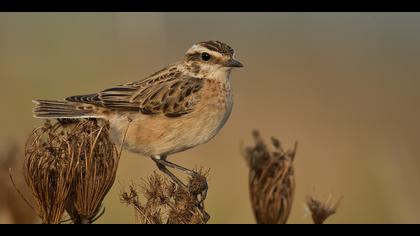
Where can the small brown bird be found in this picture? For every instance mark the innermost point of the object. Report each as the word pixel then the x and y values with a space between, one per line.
pixel 176 108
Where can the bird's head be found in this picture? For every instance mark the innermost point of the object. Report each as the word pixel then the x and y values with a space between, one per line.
pixel 210 59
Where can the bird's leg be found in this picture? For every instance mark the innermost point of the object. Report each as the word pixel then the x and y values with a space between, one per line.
pixel 166 163
pixel 159 160
pixel 199 193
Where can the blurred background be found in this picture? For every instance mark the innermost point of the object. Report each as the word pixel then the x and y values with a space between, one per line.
pixel 344 85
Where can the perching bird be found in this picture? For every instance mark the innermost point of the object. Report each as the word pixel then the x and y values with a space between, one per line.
pixel 174 109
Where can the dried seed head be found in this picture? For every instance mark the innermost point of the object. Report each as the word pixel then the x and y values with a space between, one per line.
pixel 197 185
pixel 167 203
pixel 70 166
pixel 271 181
pixel 320 211
pixel 49 168
pixel 98 160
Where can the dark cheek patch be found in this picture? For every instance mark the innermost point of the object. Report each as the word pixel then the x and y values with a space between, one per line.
pixel 195 68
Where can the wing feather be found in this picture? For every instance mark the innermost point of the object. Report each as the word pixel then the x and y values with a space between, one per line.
pixel 171 94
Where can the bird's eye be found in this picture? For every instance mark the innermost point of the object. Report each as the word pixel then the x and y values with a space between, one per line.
pixel 205 56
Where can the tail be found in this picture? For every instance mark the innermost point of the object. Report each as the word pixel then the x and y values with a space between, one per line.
pixel 61 109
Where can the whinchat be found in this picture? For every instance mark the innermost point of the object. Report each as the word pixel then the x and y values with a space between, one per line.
pixel 175 109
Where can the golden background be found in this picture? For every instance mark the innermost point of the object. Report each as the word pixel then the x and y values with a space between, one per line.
pixel 344 85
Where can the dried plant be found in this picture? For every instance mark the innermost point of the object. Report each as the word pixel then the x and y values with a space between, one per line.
pixel 320 211
pixel 167 203
pixel 49 168
pixel 70 166
pixel 98 161
pixel 271 180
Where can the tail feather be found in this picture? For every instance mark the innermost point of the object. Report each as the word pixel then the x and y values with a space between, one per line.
pixel 60 109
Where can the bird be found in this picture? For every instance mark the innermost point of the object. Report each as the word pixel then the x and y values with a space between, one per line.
pixel 175 109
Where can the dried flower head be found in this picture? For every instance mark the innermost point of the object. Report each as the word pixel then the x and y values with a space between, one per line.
pixel 97 160
pixel 70 166
pixel 320 211
pixel 49 168
pixel 167 203
pixel 271 180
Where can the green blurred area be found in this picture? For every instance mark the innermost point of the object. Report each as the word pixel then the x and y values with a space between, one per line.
pixel 344 85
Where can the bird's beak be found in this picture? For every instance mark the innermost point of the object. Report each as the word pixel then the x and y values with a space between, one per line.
pixel 233 63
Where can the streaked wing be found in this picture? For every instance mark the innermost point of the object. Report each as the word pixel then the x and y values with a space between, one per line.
pixel 171 94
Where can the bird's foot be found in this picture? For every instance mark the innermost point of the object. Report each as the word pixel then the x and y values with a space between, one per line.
pixel 197 185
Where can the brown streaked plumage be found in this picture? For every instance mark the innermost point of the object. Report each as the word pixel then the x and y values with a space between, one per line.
pixel 174 109
pixel 218 47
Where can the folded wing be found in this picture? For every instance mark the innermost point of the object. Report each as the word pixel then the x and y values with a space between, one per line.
pixel 169 94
